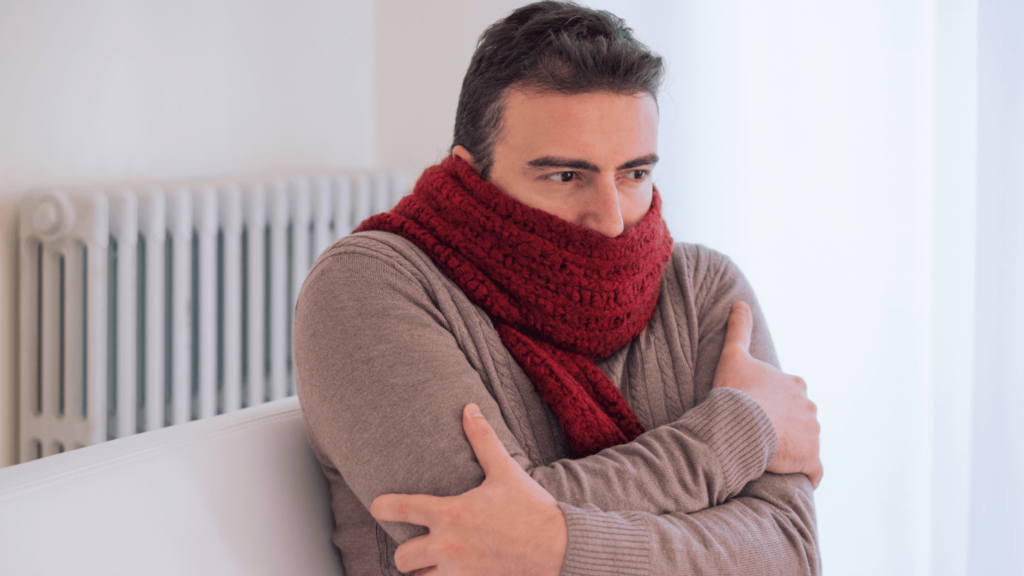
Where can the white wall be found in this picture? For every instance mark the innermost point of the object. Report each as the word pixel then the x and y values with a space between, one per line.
pixel 115 90
pixel 423 50
pixel 109 90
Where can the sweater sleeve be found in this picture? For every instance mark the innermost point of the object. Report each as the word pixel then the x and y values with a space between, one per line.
pixel 382 381
pixel 768 528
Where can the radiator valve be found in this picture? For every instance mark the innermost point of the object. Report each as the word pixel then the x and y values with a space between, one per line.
pixel 49 215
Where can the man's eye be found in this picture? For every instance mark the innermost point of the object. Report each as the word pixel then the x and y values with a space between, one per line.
pixel 563 176
pixel 638 174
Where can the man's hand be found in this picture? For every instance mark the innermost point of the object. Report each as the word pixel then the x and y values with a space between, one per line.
pixel 781 396
pixel 508 525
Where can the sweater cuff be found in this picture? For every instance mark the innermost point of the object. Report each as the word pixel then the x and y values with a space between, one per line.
pixel 605 543
pixel 739 432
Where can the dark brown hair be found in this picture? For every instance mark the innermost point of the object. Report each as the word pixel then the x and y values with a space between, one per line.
pixel 548 47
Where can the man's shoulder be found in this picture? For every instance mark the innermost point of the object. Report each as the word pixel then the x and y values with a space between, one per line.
pixel 697 263
pixel 368 253
pixel 369 265
pixel 377 266
pixel 695 252
pixel 375 244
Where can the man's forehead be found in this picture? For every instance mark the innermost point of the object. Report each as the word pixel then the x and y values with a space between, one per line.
pixel 580 130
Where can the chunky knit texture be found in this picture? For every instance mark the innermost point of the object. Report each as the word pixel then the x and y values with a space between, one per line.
pixel 560 295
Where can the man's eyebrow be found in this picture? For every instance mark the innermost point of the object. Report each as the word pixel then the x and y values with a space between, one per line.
pixel 556 162
pixel 641 161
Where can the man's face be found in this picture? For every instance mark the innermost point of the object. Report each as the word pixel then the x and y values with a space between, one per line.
pixel 586 158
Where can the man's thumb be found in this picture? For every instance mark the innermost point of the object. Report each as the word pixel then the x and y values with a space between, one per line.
pixel 489 450
pixel 741 324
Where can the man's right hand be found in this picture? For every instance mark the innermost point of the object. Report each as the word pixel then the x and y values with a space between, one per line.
pixel 781 396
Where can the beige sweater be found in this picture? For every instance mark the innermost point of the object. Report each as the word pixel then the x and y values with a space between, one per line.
pixel 388 350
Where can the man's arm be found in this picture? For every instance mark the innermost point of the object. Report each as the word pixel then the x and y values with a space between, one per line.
pixel 735 350
pixel 768 529
pixel 383 381
pixel 511 525
pixel 485 530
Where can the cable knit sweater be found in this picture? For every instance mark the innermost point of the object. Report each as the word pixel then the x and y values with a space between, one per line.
pixel 388 350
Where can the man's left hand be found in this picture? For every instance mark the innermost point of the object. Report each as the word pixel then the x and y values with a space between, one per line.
pixel 508 525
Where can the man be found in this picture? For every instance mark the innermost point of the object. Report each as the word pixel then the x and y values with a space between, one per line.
pixel 632 419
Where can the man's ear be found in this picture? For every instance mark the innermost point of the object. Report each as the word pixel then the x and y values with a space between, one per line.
pixel 461 152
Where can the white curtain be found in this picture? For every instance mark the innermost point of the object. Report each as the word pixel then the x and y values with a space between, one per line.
pixel 996 528
pixel 862 163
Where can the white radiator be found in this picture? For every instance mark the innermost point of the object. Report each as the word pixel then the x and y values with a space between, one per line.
pixel 127 309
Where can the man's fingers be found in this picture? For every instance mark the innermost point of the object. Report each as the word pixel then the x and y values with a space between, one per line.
pixel 412 508
pixel 489 450
pixel 816 475
pixel 741 324
pixel 413 555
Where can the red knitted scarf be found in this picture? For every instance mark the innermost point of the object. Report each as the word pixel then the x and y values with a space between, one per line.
pixel 559 295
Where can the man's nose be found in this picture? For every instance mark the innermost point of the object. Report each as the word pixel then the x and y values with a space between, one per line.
pixel 603 214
